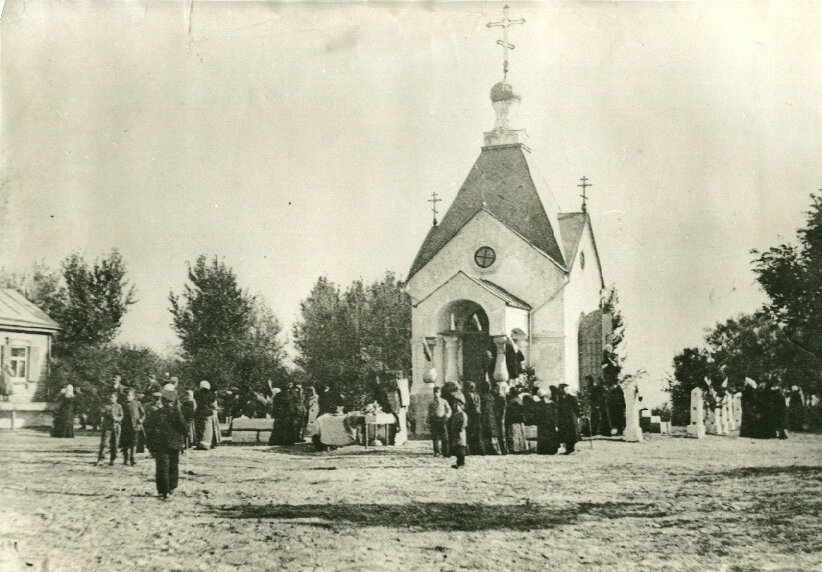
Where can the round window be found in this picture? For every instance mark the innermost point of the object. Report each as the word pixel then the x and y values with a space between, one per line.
pixel 485 256
pixel 582 260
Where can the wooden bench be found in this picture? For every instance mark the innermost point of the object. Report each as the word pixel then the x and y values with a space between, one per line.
pixel 242 428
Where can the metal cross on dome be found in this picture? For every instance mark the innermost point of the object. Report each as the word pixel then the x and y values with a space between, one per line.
pixel 434 200
pixel 584 186
pixel 505 23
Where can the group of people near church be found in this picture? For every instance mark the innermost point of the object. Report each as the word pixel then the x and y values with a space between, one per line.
pixel 488 417
pixel 494 419
pixel 165 423
pixel 295 411
pixel 769 411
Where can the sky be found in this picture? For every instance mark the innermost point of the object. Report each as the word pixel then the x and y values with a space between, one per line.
pixel 296 140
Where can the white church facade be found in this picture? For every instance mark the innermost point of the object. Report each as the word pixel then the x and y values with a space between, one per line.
pixel 505 259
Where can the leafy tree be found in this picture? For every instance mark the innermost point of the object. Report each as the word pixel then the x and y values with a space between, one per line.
pixel 346 339
pixel 691 366
pixel 42 285
pixel 613 359
pixel 91 302
pixel 88 300
pixel 791 275
pixel 227 336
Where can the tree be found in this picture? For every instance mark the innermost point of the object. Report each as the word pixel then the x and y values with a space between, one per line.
pixel 346 339
pixel 88 301
pixel 227 336
pixel 42 285
pixel 92 301
pixel 613 359
pixel 791 275
pixel 691 366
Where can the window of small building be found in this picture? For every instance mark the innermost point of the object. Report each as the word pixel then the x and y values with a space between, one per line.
pixel 18 359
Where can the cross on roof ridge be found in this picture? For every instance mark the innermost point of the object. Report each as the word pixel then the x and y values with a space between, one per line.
pixel 505 23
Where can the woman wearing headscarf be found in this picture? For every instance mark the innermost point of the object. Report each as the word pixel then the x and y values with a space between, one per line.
pixel 64 415
pixel 515 423
pixel 546 418
pixel 473 409
pixel 488 420
pixel 747 425
pixel 567 414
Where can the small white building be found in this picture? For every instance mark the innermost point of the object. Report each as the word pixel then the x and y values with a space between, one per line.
pixel 505 257
pixel 25 349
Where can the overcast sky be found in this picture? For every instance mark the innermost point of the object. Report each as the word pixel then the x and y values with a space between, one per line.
pixel 295 140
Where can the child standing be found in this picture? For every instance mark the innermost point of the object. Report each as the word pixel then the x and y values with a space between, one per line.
pixel 459 426
pixel 110 417
pixel 132 426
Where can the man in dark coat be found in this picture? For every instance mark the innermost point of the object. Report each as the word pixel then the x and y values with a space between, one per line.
pixel 600 416
pixel 748 423
pixel 767 415
pixel 546 420
pixel 132 425
pixel 513 356
pixel 567 413
pixel 616 408
pixel 165 437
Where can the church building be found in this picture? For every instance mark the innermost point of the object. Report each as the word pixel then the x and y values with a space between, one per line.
pixel 505 262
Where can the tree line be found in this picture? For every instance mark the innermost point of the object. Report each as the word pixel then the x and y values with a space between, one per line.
pixel 344 338
pixel 781 342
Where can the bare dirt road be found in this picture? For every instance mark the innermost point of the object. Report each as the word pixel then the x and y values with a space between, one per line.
pixel 667 504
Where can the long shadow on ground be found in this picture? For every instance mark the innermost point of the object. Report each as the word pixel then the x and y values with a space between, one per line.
pixel 814 472
pixel 441 516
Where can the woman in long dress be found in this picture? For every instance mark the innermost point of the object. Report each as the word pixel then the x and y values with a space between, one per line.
pixel 490 430
pixel 515 424
pixel 313 406
pixel 546 417
pixel 567 415
pixel 64 416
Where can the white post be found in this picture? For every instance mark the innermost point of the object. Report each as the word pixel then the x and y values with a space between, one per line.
pixel 697 425
pixel 737 409
pixel 633 432
pixel 451 366
pixel 501 366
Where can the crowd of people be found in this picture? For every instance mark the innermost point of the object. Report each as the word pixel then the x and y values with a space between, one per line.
pixel 768 411
pixel 495 419
pixel 165 422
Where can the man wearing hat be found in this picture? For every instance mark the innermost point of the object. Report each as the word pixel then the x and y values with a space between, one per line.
pixel 165 436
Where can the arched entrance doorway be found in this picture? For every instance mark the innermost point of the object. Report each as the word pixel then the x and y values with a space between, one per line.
pixel 468 321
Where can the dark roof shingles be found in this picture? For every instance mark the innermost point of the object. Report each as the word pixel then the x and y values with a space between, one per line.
pixel 502 179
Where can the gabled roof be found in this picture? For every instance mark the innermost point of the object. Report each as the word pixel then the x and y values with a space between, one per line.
pixel 19 314
pixel 495 290
pixel 571 226
pixel 501 183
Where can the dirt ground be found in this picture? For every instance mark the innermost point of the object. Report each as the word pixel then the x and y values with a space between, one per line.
pixel 670 503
